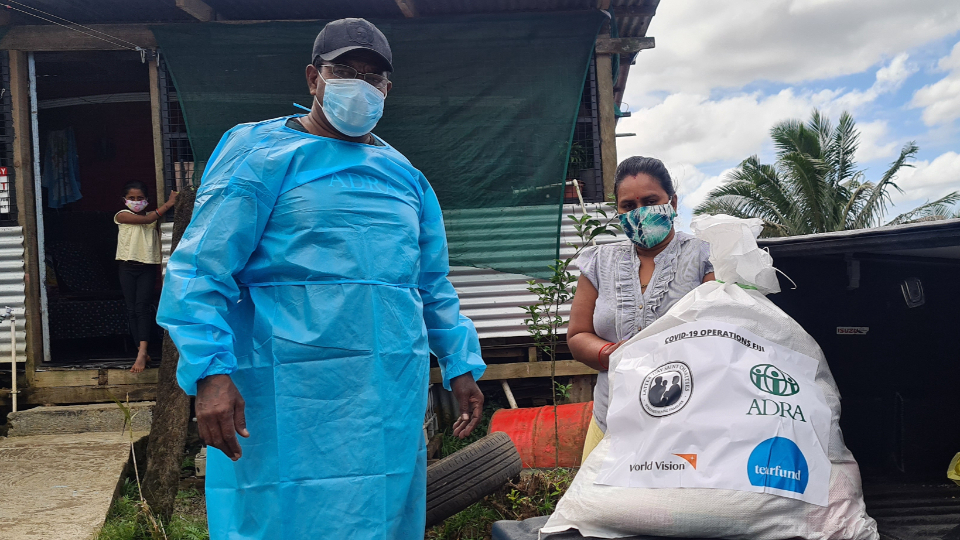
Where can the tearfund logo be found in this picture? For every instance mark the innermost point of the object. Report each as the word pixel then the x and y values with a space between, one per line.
pixel 772 380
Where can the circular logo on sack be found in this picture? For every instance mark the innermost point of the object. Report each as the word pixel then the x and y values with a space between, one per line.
pixel 778 463
pixel 772 380
pixel 666 389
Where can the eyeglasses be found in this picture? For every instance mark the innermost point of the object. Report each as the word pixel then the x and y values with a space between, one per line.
pixel 340 71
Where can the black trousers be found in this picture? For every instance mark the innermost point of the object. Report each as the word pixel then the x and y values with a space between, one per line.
pixel 137 281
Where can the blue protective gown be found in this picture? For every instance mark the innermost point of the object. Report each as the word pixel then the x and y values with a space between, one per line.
pixel 314 272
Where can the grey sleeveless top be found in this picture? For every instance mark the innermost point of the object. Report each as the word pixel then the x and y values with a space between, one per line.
pixel 622 309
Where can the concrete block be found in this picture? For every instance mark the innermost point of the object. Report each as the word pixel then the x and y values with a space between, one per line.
pixel 59 487
pixel 69 419
pixel 200 463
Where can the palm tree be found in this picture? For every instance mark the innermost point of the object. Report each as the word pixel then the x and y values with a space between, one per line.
pixel 815 185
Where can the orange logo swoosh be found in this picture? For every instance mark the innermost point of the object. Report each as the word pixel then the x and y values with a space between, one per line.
pixel 690 458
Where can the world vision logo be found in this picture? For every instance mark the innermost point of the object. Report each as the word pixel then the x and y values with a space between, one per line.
pixel 772 380
pixel 648 466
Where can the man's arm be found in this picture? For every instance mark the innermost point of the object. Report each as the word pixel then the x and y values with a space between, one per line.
pixel 199 303
pixel 453 338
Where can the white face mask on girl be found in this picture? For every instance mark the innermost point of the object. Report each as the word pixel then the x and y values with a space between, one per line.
pixel 137 206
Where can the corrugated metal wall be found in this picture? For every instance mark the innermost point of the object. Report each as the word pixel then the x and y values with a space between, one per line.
pixel 493 300
pixel 12 291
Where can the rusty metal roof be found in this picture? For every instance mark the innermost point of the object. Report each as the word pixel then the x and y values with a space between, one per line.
pixel 633 16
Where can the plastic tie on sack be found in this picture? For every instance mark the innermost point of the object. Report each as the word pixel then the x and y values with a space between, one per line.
pixel 734 252
pixel 953 472
pixel 741 285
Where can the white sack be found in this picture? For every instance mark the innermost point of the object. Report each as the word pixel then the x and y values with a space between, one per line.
pixel 608 511
pixel 734 252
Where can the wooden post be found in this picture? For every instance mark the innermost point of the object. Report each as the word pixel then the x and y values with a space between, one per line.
pixel 157 131
pixel 581 389
pixel 26 208
pixel 608 122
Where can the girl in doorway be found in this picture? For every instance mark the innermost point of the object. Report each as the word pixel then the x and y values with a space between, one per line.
pixel 138 250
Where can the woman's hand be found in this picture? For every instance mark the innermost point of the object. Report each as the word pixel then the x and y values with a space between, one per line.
pixel 604 355
pixel 173 199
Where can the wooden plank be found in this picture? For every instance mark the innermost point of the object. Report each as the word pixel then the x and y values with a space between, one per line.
pixel 57 38
pixel 26 206
pixel 67 378
pixel 407 7
pixel 198 10
pixel 89 394
pixel 630 45
pixel 514 352
pixel 116 377
pixel 635 11
pixel 532 355
pixel 608 124
pixel 524 370
pixel 157 132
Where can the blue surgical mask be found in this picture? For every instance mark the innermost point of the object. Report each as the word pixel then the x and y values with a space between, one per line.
pixel 647 226
pixel 352 106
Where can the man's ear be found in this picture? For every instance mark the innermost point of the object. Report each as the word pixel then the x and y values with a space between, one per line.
pixel 673 201
pixel 313 79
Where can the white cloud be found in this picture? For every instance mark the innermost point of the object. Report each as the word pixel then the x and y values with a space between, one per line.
pixel 692 198
pixel 930 179
pixel 941 101
pixel 703 45
pixel 698 101
pixel 872 135
pixel 690 128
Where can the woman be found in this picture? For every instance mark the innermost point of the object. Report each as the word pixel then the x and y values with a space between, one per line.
pixel 138 250
pixel 625 286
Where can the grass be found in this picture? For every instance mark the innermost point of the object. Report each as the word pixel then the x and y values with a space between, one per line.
pixel 532 494
pixel 123 524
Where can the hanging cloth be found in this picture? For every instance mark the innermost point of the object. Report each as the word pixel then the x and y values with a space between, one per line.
pixel 61 170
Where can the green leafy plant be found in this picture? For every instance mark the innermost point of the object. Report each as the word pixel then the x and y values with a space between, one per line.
pixel 563 391
pixel 577 160
pixel 544 321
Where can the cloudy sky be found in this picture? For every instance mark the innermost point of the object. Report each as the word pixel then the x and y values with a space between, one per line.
pixel 724 72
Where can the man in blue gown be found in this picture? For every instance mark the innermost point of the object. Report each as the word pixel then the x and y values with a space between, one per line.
pixel 305 298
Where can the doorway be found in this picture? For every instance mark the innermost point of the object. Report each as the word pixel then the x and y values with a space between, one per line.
pixel 95 135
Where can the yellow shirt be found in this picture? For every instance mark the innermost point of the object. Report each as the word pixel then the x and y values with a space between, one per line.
pixel 140 243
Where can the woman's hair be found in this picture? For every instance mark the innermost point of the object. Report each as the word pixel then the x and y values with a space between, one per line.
pixel 136 185
pixel 635 165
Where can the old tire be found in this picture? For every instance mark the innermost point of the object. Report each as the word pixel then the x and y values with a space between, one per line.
pixel 469 475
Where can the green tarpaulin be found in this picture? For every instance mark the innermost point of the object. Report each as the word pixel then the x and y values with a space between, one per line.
pixel 485 106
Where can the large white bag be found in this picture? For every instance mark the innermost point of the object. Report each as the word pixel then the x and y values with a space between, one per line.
pixel 723 421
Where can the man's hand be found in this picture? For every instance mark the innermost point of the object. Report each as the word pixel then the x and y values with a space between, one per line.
pixel 470 398
pixel 220 414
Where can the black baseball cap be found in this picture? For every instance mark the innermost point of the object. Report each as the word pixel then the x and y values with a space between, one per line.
pixel 345 35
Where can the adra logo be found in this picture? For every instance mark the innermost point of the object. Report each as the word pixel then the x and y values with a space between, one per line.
pixel 768 407
pixel 772 380
pixel 778 463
